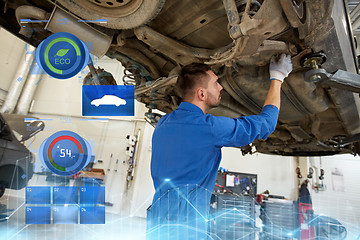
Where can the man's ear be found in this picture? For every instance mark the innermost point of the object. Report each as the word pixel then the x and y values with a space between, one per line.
pixel 201 94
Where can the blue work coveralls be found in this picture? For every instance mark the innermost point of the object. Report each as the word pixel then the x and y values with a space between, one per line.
pixel 186 154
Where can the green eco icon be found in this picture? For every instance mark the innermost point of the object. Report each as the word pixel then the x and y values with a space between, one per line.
pixel 62 55
pixel 61 52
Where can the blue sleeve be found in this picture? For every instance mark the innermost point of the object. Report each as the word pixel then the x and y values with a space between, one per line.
pixel 238 132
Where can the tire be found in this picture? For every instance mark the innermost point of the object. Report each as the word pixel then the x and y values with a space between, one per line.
pixel 118 15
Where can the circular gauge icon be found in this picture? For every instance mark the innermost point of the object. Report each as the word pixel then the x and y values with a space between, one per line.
pixel 65 153
pixel 62 55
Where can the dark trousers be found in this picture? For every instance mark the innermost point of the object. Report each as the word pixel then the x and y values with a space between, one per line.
pixel 179 213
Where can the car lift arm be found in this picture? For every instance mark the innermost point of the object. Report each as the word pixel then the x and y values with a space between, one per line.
pixel 340 79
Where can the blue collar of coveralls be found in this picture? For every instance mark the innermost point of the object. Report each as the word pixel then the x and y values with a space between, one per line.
pixel 190 107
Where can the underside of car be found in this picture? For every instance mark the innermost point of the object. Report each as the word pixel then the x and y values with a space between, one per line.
pixel 153 39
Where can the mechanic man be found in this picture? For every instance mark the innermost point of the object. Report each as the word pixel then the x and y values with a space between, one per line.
pixel 186 150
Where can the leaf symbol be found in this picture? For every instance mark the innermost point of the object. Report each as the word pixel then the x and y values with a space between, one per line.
pixel 61 52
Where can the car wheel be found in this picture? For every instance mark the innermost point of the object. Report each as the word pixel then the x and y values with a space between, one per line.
pixel 120 14
pixel 2 189
pixel 295 11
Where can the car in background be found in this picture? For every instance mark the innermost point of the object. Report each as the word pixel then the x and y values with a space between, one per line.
pixel 16 161
pixel 153 38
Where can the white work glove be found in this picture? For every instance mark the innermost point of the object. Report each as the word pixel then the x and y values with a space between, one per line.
pixel 280 69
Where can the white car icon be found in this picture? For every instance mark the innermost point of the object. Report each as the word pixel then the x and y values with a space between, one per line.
pixel 108 100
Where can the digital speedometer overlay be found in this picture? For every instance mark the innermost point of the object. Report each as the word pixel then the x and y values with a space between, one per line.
pixel 65 153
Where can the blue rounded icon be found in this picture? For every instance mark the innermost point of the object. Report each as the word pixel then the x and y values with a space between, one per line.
pixel 65 153
pixel 62 55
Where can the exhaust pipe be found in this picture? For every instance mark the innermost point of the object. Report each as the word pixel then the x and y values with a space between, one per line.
pixel 29 12
pixel 100 41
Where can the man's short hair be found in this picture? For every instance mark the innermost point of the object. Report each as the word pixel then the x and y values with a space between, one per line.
pixel 192 75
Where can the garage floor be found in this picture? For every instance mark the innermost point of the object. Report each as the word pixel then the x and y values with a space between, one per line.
pixel 116 227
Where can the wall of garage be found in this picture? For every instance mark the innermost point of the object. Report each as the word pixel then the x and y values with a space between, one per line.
pixel 143 185
pixel 274 173
pixel 341 198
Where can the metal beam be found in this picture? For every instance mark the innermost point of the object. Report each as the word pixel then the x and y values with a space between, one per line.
pixel 355 12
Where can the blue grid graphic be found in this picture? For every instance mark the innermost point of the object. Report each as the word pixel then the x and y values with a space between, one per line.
pixel 62 203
